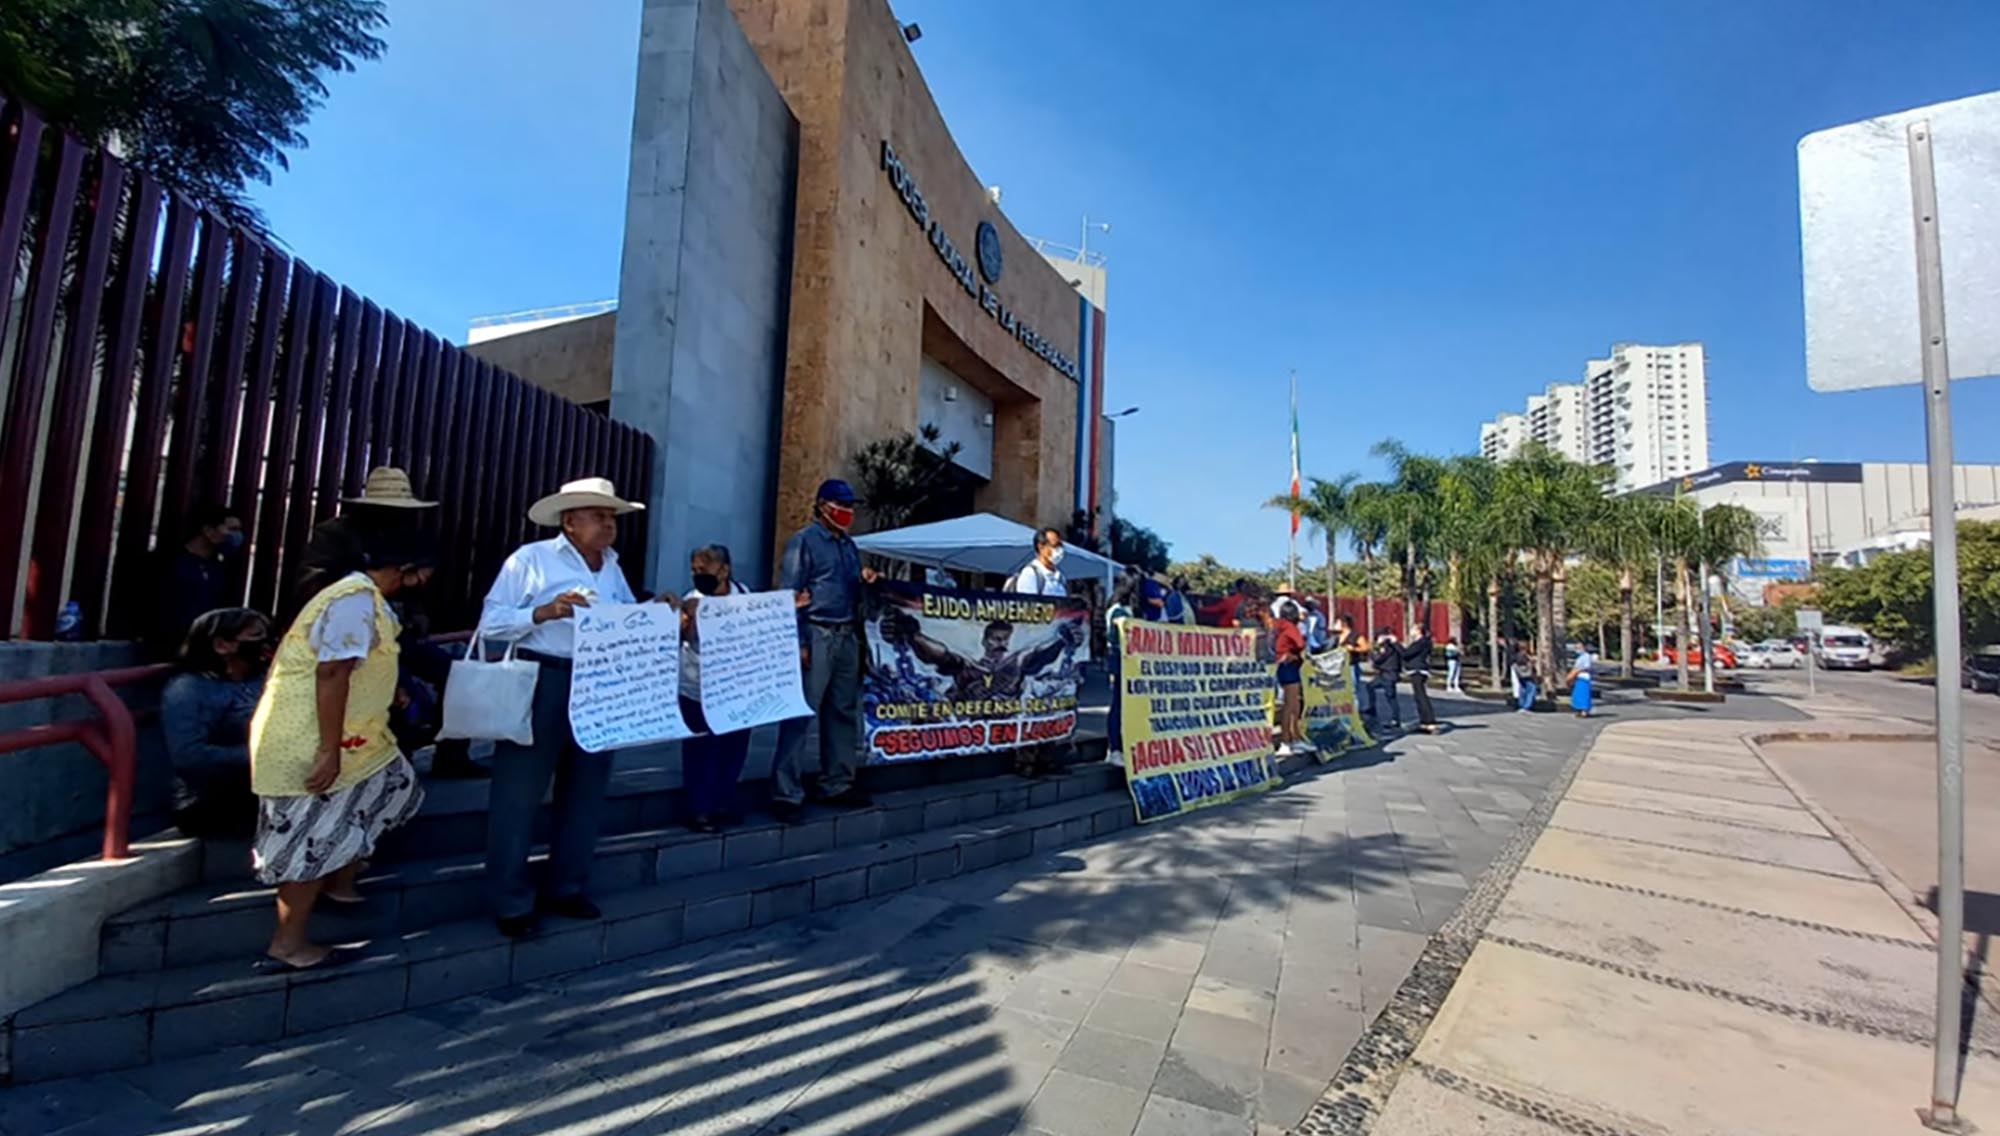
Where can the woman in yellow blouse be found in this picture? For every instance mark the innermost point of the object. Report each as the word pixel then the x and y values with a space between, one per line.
pixel 328 775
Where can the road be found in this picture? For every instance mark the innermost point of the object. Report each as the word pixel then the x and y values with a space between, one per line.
pixel 1887 695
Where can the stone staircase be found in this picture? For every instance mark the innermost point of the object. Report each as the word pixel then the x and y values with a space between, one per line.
pixel 175 974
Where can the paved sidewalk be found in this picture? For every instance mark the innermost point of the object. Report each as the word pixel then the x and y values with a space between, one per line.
pixel 1201 976
pixel 1685 950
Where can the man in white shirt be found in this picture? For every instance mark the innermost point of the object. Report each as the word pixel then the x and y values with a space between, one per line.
pixel 1042 576
pixel 538 590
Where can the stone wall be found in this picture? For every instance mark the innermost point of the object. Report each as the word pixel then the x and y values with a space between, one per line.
pixel 699 346
pixel 871 296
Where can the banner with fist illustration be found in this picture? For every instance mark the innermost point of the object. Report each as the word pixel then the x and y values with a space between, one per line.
pixel 955 672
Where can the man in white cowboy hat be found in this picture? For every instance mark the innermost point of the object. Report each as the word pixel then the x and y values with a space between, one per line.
pixel 539 589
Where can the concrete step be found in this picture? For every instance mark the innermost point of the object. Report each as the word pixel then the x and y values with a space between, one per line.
pixel 644 794
pixel 230 919
pixel 125 1020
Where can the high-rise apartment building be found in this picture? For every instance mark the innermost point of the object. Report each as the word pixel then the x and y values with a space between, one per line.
pixel 1648 412
pixel 1557 419
pixel 1503 437
pixel 1643 412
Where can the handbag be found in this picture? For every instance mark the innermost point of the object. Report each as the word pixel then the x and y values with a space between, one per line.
pixel 490 701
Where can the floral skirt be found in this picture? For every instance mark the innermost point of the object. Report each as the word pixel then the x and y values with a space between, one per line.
pixel 311 837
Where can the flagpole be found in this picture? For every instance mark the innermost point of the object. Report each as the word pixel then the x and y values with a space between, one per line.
pixel 1292 561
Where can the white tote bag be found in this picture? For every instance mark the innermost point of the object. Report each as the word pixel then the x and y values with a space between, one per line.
pixel 490 701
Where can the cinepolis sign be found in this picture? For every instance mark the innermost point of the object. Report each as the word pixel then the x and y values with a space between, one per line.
pixel 965 269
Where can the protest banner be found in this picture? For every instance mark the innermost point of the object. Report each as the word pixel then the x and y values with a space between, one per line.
pixel 622 680
pixel 1333 721
pixel 749 660
pixel 1195 709
pixel 957 672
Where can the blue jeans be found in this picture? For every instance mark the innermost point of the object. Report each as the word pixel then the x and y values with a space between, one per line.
pixel 1385 694
pixel 1529 689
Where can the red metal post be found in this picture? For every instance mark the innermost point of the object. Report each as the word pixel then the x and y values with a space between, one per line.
pixel 103 480
pixel 62 448
pixel 21 435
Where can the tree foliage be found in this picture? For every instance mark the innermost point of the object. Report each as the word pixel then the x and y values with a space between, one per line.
pixel 898 476
pixel 1891 595
pixel 208 95
pixel 1134 543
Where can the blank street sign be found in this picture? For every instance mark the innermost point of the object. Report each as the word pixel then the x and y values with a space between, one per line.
pixel 1860 246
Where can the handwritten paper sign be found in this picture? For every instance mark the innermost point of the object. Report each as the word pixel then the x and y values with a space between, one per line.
pixel 624 676
pixel 749 660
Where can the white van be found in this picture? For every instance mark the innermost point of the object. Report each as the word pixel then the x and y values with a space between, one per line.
pixel 1844 648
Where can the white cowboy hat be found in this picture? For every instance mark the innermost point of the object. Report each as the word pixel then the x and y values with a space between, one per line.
pixel 389 487
pixel 583 493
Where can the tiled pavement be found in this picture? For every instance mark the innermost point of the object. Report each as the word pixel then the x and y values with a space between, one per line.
pixel 1203 976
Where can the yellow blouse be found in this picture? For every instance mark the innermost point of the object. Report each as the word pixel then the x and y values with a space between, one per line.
pixel 284 732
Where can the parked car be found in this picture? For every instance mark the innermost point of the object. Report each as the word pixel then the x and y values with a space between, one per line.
pixel 1842 647
pixel 1771 654
pixel 1982 669
pixel 1724 657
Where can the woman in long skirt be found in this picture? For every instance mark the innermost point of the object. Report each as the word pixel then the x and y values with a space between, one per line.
pixel 327 772
pixel 1580 687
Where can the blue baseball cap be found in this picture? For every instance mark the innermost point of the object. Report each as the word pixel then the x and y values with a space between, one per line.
pixel 837 491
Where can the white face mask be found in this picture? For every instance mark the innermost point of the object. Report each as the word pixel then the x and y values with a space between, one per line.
pixel 1055 555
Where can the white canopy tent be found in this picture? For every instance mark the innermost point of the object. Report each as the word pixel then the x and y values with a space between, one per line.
pixel 981 542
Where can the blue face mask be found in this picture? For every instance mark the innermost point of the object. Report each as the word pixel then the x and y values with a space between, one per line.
pixel 232 542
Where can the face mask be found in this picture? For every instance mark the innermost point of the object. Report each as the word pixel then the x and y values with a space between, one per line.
pixel 232 541
pixel 1055 557
pixel 413 583
pixel 840 517
pixel 256 652
pixel 708 583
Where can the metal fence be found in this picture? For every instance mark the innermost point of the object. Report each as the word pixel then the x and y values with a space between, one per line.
pixel 154 359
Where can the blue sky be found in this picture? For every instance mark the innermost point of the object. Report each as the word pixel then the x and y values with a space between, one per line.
pixel 1429 211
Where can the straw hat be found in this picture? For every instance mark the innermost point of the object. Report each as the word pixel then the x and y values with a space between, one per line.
pixel 583 493
pixel 389 487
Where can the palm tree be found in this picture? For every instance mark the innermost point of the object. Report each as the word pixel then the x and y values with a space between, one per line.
pixel 1543 505
pixel 1676 533
pixel 1409 507
pixel 1461 534
pixel 1326 507
pixel 1367 523
pixel 1623 539
pixel 1724 533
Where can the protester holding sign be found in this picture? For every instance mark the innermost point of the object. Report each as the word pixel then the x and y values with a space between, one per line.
pixel 711 764
pixel 534 600
pixel 1041 576
pixel 1288 640
pixel 823 568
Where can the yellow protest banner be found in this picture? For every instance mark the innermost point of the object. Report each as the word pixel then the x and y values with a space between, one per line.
pixel 1195 707
pixel 1333 722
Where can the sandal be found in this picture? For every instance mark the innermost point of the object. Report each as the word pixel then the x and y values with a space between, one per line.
pixel 272 964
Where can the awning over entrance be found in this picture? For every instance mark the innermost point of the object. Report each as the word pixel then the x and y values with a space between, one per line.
pixel 981 542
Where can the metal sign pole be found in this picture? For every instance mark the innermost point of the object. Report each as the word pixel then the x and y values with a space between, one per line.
pixel 1943 1111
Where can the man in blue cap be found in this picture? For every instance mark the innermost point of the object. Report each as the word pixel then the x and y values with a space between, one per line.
pixel 823 567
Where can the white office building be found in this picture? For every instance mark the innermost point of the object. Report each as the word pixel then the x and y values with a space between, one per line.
pixel 1643 412
pixel 1829 513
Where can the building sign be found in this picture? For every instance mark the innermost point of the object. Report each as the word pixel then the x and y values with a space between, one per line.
pixel 987 252
pixel 1846 473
